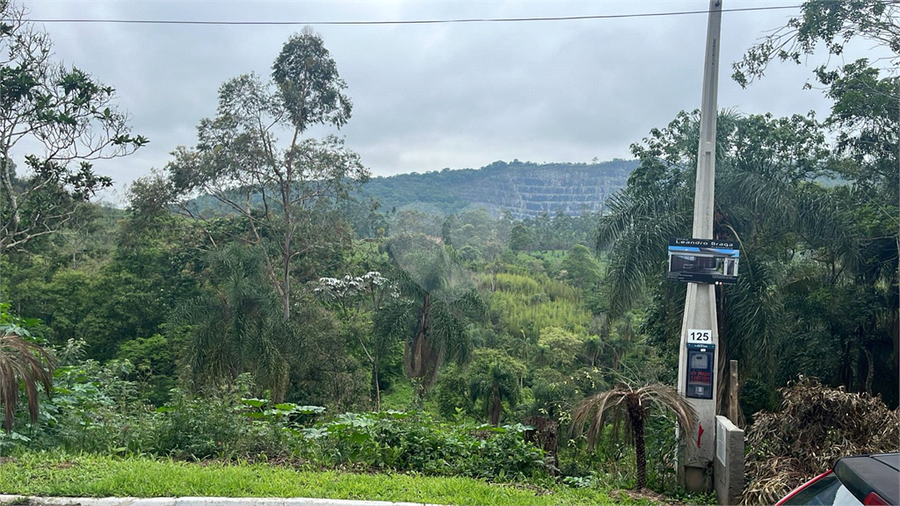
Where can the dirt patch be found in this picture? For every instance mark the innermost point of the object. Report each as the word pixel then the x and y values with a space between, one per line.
pixel 645 494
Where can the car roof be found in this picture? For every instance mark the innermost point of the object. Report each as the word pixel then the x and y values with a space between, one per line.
pixel 863 474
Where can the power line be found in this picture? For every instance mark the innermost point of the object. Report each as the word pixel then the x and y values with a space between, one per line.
pixel 404 22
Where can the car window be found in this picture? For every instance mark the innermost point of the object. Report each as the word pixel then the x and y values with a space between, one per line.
pixel 843 497
pixel 821 492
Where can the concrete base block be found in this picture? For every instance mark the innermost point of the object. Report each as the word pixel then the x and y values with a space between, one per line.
pixel 728 467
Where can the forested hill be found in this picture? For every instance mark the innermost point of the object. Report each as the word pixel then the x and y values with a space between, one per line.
pixel 522 188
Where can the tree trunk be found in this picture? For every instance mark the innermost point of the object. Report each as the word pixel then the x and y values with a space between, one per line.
pixel 640 454
pixel 496 409
pixel 723 400
pixel 287 203
pixel 734 406
pixel 895 337
pixel 870 372
pixel 416 350
pixel 10 192
pixel 377 387
pixel 855 359
pixel 286 297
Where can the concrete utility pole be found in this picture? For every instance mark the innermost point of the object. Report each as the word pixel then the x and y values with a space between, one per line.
pixel 698 329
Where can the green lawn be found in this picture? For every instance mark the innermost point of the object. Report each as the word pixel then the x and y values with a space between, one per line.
pixel 58 474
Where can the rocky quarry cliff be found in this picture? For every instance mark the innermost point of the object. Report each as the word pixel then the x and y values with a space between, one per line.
pixel 521 188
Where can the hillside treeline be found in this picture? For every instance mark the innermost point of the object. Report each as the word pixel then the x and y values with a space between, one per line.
pixel 303 296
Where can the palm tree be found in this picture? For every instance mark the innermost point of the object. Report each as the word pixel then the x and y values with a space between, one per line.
pixel 236 326
pixel 761 202
pixel 630 405
pixel 494 378
pixel 593 347
pixel 436 304
pixel 22 362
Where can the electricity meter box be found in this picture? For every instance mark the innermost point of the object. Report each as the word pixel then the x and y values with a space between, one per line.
pixel 701 367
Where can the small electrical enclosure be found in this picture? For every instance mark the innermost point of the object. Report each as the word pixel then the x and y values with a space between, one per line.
pixel 700 370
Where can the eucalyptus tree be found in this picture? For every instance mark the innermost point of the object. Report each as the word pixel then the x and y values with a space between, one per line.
pixel 285 194
pixel 62 112
pixel 437 302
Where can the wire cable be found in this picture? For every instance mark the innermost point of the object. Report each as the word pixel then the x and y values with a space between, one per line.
pixel 405 22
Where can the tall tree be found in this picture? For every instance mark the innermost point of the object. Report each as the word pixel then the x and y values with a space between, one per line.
pixel 494 378
pixel 349 295
pixel 762 201
pixel 436 304
pixel 68 114
pixel 235 326
pixel 286 196
pixel 581 268
pixel 866 122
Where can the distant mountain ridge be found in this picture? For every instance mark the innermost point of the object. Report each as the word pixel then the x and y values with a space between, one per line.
pixel 524 189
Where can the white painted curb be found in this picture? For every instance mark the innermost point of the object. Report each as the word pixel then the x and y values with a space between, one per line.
pixel 191 501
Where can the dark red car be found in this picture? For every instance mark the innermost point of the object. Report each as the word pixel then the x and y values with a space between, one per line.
pixel 861 479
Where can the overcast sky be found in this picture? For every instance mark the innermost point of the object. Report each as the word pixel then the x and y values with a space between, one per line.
pixel 426 97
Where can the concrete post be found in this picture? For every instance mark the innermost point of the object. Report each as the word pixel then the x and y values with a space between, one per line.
pixel 700 305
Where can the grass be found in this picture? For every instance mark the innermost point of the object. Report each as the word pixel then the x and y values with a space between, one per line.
pixel 60 474
pixel 399 397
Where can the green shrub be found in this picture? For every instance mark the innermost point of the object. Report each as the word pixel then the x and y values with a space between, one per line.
pixel 95 409
pixel 227 424
pixel 417 443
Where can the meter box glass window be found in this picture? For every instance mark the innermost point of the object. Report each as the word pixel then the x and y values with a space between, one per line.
pixel 700 370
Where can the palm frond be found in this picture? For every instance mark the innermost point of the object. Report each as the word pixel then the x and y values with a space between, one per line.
pixel 397 318
pixel 236 326
pixel 628 208
pixel 754 311
pixel 26 362
pixel 596 411
pixel 449 333
pixel 667 398
pixel 754 197
pixel 612 406
pixel 822 223
pixel 639 255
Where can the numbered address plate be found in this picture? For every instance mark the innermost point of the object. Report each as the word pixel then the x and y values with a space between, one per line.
pixel 699 336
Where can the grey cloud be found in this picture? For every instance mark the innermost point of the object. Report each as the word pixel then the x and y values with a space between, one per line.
pixel 433 96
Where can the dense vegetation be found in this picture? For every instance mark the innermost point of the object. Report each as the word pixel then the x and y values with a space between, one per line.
pixel 307 327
